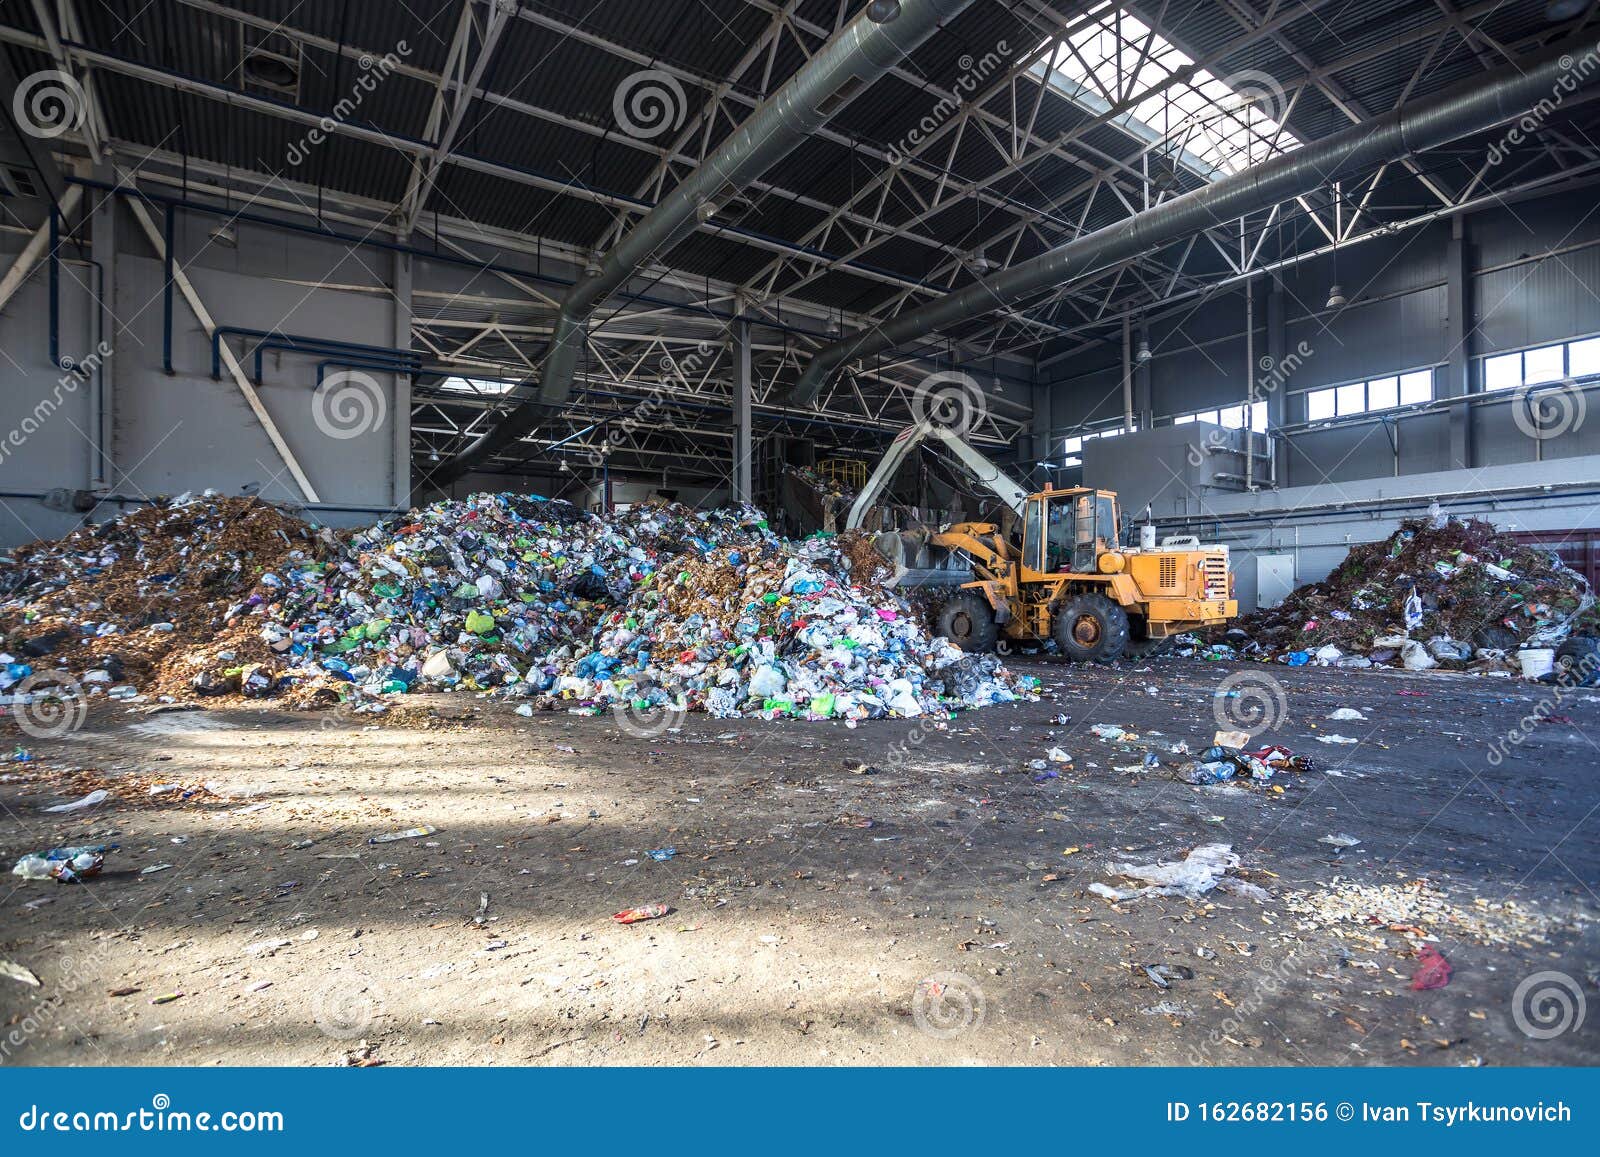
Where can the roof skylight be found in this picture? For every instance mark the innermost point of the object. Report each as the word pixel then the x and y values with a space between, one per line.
pixel 1208 125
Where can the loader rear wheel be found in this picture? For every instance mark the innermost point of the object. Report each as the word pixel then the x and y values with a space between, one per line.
pixel 1090 628
pixel 1146 648
pixel 967 620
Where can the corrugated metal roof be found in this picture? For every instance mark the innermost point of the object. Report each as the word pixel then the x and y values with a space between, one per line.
pixel 573 76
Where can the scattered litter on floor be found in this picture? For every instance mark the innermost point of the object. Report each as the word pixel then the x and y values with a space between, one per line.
pixel 94 797
pixel 64 865
pixel 643 912
pixel 1339 841
pixel 11 970
pixel 407 834
pixel 1191 877
pixel 1433 970
pixel 1345 713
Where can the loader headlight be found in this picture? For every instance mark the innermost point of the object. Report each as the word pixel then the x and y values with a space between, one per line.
pixel 1112 563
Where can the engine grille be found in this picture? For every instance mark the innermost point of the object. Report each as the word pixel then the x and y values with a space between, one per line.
pixel 1215 569
pixel 1169 572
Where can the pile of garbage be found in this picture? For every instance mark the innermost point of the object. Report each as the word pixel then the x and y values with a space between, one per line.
pixel 657 606
pixel 1440 591
pixel 119 606
pixel 527 598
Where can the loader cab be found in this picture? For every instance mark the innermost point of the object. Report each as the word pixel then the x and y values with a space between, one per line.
pixel 1068 530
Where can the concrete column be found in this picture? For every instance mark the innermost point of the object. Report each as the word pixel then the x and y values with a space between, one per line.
pixel 400 475
pixel 1127 373
pixel 1277 397
pixel 742 437
pixel 1458 334
pixel 103 412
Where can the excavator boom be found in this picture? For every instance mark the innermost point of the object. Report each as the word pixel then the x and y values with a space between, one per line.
pixel 985 471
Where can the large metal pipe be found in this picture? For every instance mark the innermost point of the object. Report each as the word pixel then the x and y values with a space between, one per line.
pixel 1475 105
pixel 862 52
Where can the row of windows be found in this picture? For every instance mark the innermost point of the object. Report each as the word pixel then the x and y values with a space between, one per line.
pixel 1551 363
pixel 1363 397
pixel 1074 444
pixel 1228 417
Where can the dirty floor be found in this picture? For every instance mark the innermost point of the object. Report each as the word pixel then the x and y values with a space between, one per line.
pixel 933 911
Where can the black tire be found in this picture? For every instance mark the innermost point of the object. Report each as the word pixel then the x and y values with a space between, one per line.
pixel 1146 648
pixel 1578 662
pixel 1495 638
pixel 967 620
pixel 1090 628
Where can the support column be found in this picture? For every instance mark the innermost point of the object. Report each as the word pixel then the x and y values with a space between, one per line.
pixel 1144 406
pixel 1458 333
pixel 1278 394
pixel 742 436
pixel 400 474
pixel 103 412
pixel 1127 373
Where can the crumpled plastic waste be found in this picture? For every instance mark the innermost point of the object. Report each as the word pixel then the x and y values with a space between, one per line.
pixel 1191 877
pixel 64 865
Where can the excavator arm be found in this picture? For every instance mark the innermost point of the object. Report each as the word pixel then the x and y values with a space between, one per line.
pixel 985 471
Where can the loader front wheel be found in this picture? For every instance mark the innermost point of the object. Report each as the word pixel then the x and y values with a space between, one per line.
pixel 967 620
pixel 1090 628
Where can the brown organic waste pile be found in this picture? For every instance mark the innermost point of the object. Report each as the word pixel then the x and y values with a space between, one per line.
pixel 126 605
pixel 1475 590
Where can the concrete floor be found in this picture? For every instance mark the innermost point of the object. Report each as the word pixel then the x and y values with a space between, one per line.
pixel 799 935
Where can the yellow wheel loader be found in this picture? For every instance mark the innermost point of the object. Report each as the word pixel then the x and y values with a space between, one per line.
pixel 1062 573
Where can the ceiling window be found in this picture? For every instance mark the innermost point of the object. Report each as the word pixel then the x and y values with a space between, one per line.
pixel 1201 122
pixel 1386 393
pixel 482 386
pixel 1549 363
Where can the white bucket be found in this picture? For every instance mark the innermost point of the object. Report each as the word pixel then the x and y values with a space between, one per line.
pixel 1537 661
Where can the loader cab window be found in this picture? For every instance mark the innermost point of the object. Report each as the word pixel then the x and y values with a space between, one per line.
pixel 1068 532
